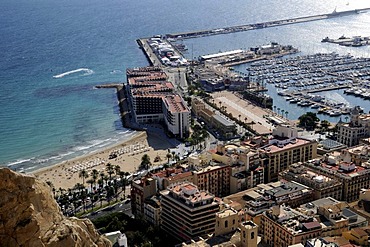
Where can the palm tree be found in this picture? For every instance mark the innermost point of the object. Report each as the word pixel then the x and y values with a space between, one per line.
pixel 173 155
pixel 102 175
pixel 346 118
pixel 123 176
pixel 91 182
pixel 83 174
pixel 94 175
pixel 286 114
pixel 169 156
pixel 145 161
pixel 278 110
pixel 117 169
pixel 110 170
pixel 282 112
pixel 274 108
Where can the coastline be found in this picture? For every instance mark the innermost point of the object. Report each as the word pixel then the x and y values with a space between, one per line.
pixel 65 175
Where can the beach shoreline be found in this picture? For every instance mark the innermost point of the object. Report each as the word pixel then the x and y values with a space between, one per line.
pixel 127 156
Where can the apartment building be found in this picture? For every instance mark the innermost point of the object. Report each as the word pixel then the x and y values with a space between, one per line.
pixel 188 212
pixel 285 149
pixel 283 226
pixel 335 216
pixel 352 177
pixel 141 189
pixel 322 186
pixel 214 178
pixel 246 166
pixel 357 128
pixel 152 210
pixel 257 200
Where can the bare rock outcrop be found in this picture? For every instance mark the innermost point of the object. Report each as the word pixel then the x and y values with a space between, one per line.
pixel 29 216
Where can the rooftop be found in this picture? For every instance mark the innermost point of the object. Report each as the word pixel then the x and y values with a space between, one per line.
pixel 283 145
pixel 189 193
pixel 175 103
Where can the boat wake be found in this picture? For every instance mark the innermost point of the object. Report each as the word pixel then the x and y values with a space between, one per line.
pixel 87 72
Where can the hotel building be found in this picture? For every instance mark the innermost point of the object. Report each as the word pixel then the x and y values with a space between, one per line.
pixel 152 100
pixel 188 212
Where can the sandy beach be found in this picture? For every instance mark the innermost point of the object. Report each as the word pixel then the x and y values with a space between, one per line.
pixel 66 174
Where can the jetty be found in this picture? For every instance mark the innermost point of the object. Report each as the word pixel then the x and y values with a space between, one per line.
pixel 248 27
pixel 355 41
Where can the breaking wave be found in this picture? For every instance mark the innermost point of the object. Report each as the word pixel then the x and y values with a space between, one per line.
pixel 87 72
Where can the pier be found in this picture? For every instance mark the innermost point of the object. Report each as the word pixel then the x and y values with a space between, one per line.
pixel 248 27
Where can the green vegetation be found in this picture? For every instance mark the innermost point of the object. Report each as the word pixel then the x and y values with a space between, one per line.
pixel 138 231
pixel 309 121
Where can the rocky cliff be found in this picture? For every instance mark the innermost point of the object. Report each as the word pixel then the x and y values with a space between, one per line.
pixel 29 216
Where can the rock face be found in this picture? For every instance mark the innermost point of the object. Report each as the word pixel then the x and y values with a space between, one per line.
pixel 29 216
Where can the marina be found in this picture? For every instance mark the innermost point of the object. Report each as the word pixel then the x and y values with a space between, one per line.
pixel 299 79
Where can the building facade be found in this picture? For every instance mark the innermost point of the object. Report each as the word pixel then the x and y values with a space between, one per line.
pixel 188 212
pixel 357 128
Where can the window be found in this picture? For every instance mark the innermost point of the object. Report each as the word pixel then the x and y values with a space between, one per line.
pixel 226 224
pixel 252 235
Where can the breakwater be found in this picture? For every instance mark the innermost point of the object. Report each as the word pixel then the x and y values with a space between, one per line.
pixel 248 27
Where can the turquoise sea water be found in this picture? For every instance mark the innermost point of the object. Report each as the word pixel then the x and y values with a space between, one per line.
pixel 54 52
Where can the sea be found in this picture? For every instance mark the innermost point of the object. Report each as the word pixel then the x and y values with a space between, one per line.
pixel 53 53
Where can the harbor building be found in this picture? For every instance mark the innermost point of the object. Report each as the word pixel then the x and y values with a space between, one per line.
pixel 352 177
pixel 322 186
pixel 285 149
pixel 224 127
pixel 152 100
pixel 357 128
pixel 188 212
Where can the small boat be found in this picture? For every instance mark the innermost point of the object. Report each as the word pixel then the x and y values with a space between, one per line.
pixel 315 106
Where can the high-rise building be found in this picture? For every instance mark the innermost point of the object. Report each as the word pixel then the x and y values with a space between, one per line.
pixel 188 212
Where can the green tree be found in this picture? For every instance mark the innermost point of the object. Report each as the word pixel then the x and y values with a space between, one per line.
pixel 94 175
pixel 117 169
pixel 308 120
pixel 325 124
pixel 169 156
pixel 110 170
pixel 83 174
pixel 145 162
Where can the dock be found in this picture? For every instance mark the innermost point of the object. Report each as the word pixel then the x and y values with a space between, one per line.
pixel 248 27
